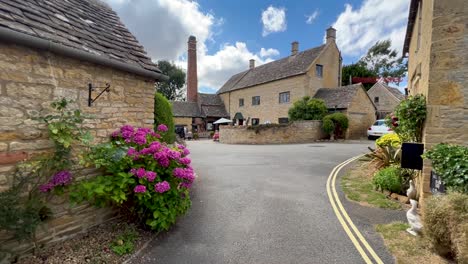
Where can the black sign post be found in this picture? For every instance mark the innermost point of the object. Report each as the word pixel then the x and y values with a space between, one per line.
pixel 411 156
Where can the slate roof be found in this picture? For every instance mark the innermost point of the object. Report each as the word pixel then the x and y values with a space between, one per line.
pixel 185 109
pixel 340 98
pixel 207 105
pixel 86 25
pixel 272 71
pixel 212 105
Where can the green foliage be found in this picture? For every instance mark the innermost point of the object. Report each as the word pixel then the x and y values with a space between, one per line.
pixel 125 243
pixel 385 156
pixel 307 108
pixel 450 162
pixel 163 115
pixel 357 70
pixel 388 179
pixel 445 225
pixel 136 194
pixel 408 118
pixel 23 206
pixel 173 89
pixel 389 140
pixel 384 61
pixel 336 123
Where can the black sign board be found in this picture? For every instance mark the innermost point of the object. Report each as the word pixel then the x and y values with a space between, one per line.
pixel 411 156
pixel 437 187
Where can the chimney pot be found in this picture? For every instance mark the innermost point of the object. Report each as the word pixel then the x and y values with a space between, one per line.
pixel 331 35
pixel 294 48
pixel 251 63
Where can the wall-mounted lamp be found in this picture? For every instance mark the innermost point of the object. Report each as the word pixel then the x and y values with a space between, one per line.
pixel 90 92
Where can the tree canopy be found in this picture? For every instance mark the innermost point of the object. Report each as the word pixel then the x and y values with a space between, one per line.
pixel 356 70
pixel 308 108
pixel 174 88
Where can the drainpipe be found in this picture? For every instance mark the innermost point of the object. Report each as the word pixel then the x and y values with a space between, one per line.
pixel 8 35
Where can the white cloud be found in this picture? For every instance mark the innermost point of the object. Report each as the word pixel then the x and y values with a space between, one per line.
pixel 268 52
pixel 311 18
pixel 274 20
pixel 359 29
pixel 163 28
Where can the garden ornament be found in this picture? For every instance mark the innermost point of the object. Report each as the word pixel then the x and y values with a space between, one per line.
pixel 413 219
pixel 411 192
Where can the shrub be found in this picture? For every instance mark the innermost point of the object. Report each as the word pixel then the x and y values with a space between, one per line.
pixel 335 123
pixel 388 179
pixel 389 140
pixel 450 162
pixel 445 225
pixel 307 108
pixel 125 242
pixel 163 115
pixel 147 179
pixel 408 118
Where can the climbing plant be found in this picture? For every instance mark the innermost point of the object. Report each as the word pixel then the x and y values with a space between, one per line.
pixel 408 118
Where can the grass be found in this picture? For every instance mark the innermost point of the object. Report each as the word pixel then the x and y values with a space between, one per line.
pixel 357 186
pixel 405 247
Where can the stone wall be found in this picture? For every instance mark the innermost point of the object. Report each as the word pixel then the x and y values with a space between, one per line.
pixel 361 115
pixel 295 132
pixel 387 101
pixel 29 81
pixel 438 68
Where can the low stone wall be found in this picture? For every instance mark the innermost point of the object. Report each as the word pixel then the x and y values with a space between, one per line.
pixel 295 132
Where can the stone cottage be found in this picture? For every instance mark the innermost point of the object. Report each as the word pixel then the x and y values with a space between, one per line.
pixel 54 49
pixel 385 98
pixel 200 110
pixel 436 48
pixel 265 93
pixel 355 103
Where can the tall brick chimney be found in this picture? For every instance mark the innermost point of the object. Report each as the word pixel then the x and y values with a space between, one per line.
pixel 192 77
pixel 294 48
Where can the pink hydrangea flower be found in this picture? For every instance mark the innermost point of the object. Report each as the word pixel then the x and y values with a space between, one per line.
pixel 140 189
pixel 46 187
pixel 151 175
pixel 162 128
pixel 132 152
pixel 185 161
pixel 162 187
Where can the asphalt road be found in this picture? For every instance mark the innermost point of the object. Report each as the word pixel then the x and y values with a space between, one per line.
pixel 262 204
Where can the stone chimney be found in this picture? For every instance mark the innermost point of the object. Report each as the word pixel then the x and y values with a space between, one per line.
pixel 192 78
pixel 251 63
pixel 294 48
pixel 331 35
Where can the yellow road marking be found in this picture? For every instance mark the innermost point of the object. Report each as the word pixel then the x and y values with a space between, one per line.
pixel 343 223
pixel 333 176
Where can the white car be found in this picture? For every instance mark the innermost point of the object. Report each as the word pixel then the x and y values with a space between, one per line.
pixel 378 129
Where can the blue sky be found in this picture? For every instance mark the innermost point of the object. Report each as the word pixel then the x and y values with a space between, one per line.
pixel 229 33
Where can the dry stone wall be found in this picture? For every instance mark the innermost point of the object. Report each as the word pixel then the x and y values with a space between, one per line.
pixel 29 81
pixel 295 132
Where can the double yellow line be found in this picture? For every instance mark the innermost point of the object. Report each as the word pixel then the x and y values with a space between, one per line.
pixel 344 218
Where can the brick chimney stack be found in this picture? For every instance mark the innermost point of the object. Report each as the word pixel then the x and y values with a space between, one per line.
pixel 331 35
pixel 192 77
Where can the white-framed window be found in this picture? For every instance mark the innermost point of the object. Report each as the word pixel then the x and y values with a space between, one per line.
pixel 283 120
pixel 241 102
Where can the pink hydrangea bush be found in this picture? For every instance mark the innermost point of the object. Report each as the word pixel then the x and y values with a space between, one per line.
pixel 147 176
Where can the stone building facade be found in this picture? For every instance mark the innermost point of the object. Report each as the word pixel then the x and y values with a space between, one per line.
pixel 436 47
pixel 355 103
pixel 264 94
pixel 385 98
pixel 38 67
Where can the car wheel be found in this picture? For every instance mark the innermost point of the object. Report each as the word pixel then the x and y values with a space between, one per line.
pixel 370 137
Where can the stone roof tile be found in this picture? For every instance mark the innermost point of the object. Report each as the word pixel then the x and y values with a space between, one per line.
pixel 340 97
pixel 88 25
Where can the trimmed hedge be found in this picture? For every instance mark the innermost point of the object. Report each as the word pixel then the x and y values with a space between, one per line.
pixel 307 108
pixel 163 115
pixel 332 121
pixel 446 226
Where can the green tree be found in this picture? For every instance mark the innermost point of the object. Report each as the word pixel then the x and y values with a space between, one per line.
pixel 174 88
pixel 357 70
pixel 384 61
pixel 308 108
pixel 163 115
